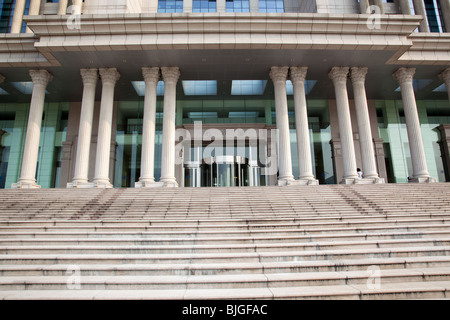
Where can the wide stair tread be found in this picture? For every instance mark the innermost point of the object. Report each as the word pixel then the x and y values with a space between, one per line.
pixel 315 242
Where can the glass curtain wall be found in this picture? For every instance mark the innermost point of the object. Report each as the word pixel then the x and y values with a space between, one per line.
pixel 392 128
pixel 13 125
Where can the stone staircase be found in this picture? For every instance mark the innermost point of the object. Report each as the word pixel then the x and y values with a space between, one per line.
pixel 299 242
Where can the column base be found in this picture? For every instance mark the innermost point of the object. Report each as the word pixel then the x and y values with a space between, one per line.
pixel 79 185
pixel 300 182
pixel 25 185
pixel 422 180
pixel 362 181
pixel 90 185
pixel 167 183
pixel 148 184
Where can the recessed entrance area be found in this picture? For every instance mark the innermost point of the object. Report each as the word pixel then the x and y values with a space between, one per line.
pixel 223 171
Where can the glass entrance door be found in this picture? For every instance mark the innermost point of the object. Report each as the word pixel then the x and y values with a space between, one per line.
pixel 224 171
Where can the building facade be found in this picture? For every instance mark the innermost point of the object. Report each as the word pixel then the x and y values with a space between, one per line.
pixel 192 93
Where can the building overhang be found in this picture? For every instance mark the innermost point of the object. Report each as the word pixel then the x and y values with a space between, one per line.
pixel 224 46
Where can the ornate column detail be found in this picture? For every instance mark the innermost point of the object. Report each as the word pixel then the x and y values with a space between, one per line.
pixel 279 76
pixel 27 179
pixel 298 75
pixel 109 78
pixel 339 76
pixel 170 76
pixel 404 76
pixel 90 77
pixel 19 10
pixel 369 166
pixel 151 78
pixel 445 76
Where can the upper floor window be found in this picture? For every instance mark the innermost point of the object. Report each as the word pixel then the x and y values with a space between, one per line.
pixel 170 6
pixel 271 6
pixel 238 6
pixel 434 16
pixel 204 6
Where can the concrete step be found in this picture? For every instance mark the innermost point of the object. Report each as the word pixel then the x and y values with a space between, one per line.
pixel 216 243
pixel 318 242
pixel 225 268
pixel 120 282
pixel 411 290
pixel 193 247
pixel 223 257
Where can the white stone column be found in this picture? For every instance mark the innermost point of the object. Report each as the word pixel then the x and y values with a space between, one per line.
pixel 27 179
pixel 80 179
pixel 151 78
pixel 404 6
pixel 78 5
pixel 445 76
pixel 339 76
pixel 369 165
pixel 19 10
pixel 306 176
pixel 35 6
pixel 404 76
pixel 279 76
pixel 363 6
pixel 254 6
pixel 109 78
pixel 170 76
pixel 221 6
pixel 445 8
pixel 62 7
pixel 379 3
pixel 187 5
pixel 419 9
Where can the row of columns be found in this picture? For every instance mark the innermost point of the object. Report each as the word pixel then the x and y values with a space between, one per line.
pixel 339 76
pixel 405 9
pixel 35 7
pixel 170 76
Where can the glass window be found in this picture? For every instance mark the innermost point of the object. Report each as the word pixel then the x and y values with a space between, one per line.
pixel 170 6
pixel 271 6
pixel 238 6
pixel 204 6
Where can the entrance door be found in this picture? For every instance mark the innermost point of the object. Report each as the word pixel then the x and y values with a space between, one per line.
pixel 225 171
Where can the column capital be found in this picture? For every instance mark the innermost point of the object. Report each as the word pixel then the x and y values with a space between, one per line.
pixel 358 74
pixel 279 73
pixel 89 76
pixel 2 78
pixel 339 74
pixel 298 74
pixel 151 74
pixel 404 75
pixel 170 74
pixel 42 77
pixel 445 75
pixel 109 75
